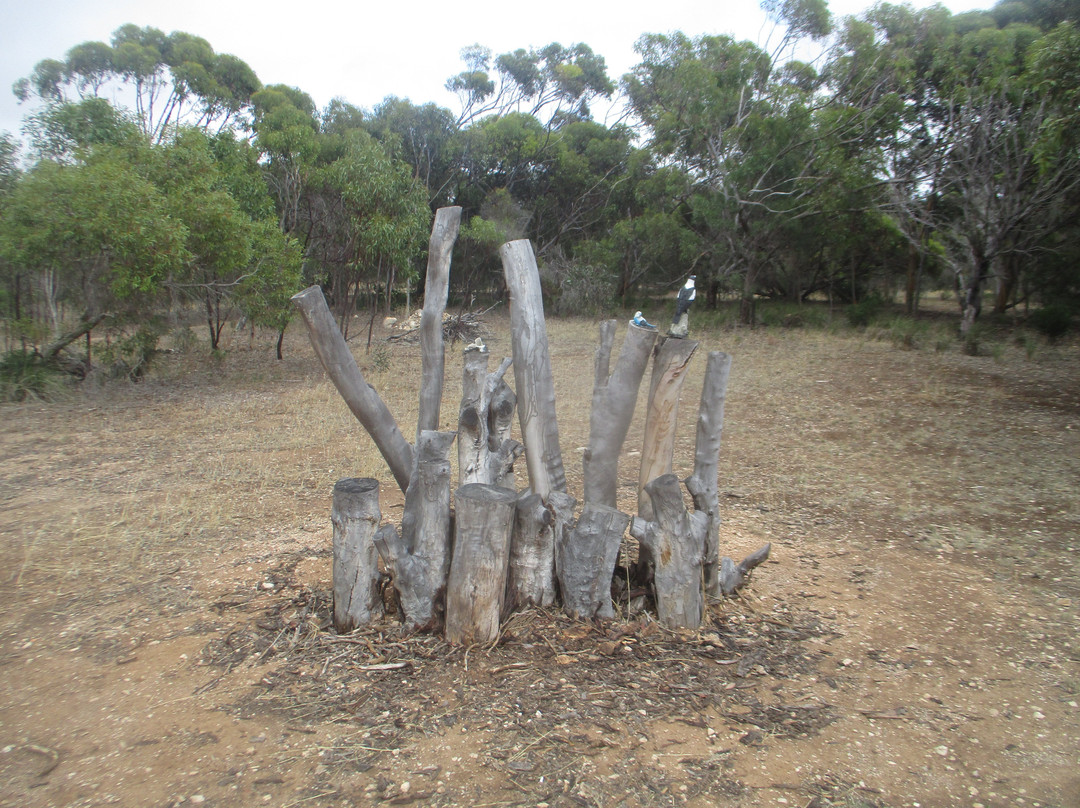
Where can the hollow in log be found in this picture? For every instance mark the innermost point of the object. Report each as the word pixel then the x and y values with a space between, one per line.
pixel 613 402
pixel 355 516
pixel 586 561
pixel 671 545
pixel 341 367
pixel 420 556
pixel 476 586
pixel 486 454
pixel 532 370
pixel 703 484
pixel 668 374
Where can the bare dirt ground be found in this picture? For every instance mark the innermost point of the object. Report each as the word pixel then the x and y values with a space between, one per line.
pixel 165 567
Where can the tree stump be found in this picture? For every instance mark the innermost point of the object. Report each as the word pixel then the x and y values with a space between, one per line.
pixel 672 546
pixel 586 561
pixel 477 584
pixel 732 575
pixel 355 516
pixel 703 484
pixel 668 374
pixel 420 556
pixel 538 527
pixel 613 401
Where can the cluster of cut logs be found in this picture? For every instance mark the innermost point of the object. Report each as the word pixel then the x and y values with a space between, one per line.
pixel 461 562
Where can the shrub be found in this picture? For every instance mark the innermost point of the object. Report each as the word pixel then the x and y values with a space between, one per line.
pixel 27 375
pixel 1052 321
pixel 861 314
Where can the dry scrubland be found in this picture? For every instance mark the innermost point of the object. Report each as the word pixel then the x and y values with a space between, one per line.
pixel 164 566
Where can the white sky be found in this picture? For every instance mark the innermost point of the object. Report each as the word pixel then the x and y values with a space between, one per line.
pixel 365 50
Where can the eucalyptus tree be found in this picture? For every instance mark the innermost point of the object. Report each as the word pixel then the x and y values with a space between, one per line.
pixel 761 142
pixel 548 83
pixel 368 220
pixel 176 79
pixel 286 133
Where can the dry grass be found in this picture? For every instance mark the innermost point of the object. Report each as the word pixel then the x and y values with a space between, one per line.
pixel 960 451
pixel 191 511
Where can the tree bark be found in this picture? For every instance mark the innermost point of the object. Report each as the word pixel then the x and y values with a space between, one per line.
pixel 52 350
pixel 668 374
pixel 586 561
pixel 537 526
pixel 613 402
pixel 671 545
pixel 476 587
pixel 432 351
pixel 355 516
pixel 486 454
pixel 532 369
pixel 703 484
pixel 341 367
pixel 420 556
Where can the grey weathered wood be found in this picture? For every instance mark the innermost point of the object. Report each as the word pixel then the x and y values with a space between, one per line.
pixel 671 544
pixel 538 526
pixel 355 516
pixel 613 402
pixel 532 369
pixel 668 374
pixel 476 587
pixel 586 561
pixel 420 556
pixel 444 233
pixel 703 484
pixel 486 454
pixel 341 367
pixel 733 576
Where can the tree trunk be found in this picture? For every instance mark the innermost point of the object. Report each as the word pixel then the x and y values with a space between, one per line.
pixel 613 402
pixel 443 235
pixel 668 374
pixel 355 516
pixel 537 528
pixel 52 350
pixel 485 452
pixel 586 561
pixel 420 556
pixel 532 369
pixel 477 584
pixel 703 484
pixel 671 546
pixel 341 367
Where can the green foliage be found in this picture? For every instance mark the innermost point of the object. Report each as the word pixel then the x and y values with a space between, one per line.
pixel 130 355
pixel 25 375
pixel 574 289
pixel 863 313
pixel 1053 321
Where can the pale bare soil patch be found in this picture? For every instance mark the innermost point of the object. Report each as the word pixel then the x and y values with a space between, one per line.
pixel 164 569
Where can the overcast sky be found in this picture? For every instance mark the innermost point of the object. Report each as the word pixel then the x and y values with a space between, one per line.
pixel 365 50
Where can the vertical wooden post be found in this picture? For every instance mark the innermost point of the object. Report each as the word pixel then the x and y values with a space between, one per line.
pixel 355 516
pixel 668 374
pixel 432 352
pixel 486 454
pixel 586 561
pixel 703 484
pixel 671 546
pixel 532 370
pixel 613 402
pixel 420 556
pixel 477 584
